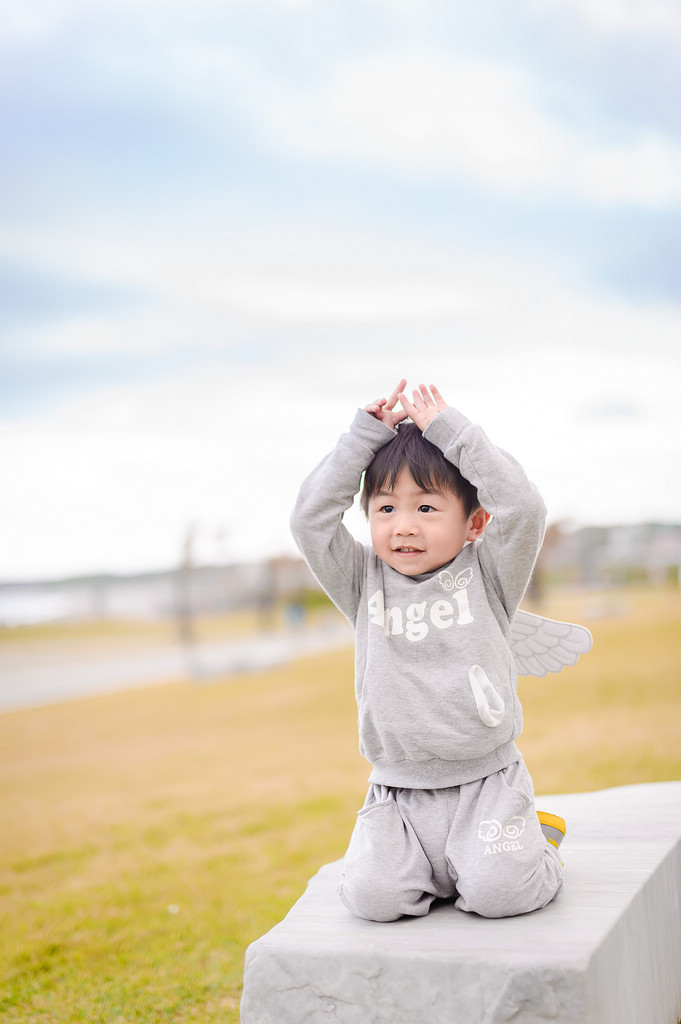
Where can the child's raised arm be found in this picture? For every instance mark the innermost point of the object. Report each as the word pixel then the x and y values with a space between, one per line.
pixel 338 560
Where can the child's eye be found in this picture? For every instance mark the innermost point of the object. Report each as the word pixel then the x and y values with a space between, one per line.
pixel 426 508
pixel 387 508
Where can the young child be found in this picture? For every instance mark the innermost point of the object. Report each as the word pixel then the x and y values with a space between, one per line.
pixel 455 528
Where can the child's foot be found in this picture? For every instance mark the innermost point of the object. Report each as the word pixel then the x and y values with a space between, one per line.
pixel 553 827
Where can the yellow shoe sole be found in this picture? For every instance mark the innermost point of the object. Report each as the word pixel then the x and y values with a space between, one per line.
pixel 553 827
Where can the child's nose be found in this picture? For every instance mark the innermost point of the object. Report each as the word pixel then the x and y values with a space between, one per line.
pixel 405 526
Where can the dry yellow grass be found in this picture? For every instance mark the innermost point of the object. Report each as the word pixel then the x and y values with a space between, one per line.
pixel 614 718
pixel 218 800
pixel 148 836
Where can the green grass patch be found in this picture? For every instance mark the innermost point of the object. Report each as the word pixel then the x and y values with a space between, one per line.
pixel 149 836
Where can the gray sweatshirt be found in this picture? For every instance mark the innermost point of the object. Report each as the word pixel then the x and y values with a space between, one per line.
pixel 435 680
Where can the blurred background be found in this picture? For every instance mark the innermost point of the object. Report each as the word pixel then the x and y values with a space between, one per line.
pixel 227 225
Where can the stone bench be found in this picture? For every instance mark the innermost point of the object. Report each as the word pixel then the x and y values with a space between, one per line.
pixel 607 951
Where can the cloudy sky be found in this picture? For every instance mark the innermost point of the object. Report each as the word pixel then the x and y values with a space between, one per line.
pixel 225 224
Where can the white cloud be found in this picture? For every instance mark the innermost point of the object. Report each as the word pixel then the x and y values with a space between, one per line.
pixel 212 292
pixel 646 172
pixel 32 17
pixel 630 17
pixel 110 481
pixel 427 116
pixel 414 110
pixel 210 288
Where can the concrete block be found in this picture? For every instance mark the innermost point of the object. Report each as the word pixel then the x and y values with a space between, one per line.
pixel 607 951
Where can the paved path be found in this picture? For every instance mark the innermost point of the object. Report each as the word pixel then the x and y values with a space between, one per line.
pixel 31 675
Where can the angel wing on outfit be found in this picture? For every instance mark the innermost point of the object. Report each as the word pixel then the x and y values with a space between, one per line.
pixel 542 645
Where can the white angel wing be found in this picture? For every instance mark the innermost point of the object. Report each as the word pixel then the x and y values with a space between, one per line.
pixel 542 645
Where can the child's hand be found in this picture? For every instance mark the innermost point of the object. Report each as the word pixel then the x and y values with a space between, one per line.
pixel 425 407
pixel 384 408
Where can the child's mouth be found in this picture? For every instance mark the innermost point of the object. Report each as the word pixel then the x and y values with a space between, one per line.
pixel 408 551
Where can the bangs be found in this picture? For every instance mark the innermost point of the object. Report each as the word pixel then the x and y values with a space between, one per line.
pixel 427 473
pixel 425 463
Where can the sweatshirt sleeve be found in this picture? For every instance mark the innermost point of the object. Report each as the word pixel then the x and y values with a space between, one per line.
pixel 514 535
pixel 336 559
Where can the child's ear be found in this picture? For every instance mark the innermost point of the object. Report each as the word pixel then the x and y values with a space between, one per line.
pixel 478 522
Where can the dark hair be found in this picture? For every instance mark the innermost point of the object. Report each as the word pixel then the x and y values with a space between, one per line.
pixel 428 467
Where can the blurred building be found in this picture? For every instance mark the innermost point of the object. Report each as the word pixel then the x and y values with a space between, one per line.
pixel 596 556
pixel 590 557
pixel 197 590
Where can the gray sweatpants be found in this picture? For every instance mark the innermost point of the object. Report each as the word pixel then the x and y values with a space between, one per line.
pixel 480 842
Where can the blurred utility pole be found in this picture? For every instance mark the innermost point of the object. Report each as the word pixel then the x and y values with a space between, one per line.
pixel 186 625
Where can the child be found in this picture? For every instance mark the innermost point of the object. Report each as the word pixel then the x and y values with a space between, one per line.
pixel 455 528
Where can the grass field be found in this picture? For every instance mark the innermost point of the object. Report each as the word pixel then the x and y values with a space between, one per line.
pixel 149 836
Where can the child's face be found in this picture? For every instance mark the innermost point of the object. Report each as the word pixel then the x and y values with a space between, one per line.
pixel 416 531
